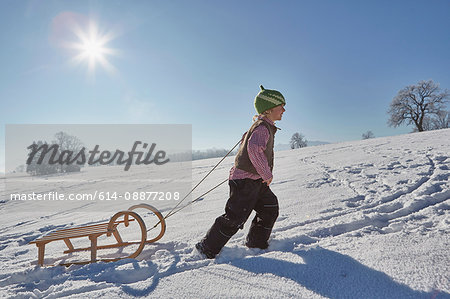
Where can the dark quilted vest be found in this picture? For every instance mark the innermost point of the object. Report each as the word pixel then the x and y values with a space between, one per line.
pixel 242 161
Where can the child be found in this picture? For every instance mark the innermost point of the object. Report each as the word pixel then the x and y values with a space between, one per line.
pixel 249 181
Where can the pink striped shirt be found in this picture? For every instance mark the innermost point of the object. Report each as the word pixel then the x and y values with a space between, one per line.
pixel 255 147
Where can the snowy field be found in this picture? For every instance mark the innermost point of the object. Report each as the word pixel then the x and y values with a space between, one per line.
pixel 362 219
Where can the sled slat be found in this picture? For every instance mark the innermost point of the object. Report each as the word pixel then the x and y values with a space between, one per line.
pixel 96 230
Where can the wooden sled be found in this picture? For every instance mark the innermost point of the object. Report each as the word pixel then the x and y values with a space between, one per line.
pixel 97 230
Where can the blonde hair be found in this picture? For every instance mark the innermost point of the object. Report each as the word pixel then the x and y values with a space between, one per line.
pixel 262 114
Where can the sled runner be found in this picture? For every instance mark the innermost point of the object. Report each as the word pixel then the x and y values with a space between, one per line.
pixel 106 228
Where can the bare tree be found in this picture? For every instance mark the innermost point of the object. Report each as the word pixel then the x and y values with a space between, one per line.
pixel 436 122
pixel 442 120
pixel 39 165
pixel 298 141
pixel 368 135
pixel 413 103
pixel 71 143
pixel 68 142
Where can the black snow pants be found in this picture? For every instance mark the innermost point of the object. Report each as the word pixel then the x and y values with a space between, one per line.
pixel 246 195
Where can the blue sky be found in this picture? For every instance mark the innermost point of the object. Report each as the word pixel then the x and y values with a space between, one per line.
pixel 338 64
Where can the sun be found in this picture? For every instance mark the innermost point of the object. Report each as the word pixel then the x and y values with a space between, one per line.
pixel 92 49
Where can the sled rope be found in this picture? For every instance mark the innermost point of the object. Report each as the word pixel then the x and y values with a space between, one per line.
pixel 172 211
pixel 198 198
pixel 176 209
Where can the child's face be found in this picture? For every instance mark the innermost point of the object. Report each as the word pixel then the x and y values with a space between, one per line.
pixel 277 113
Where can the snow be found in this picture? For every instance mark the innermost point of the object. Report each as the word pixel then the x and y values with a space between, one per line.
pixel 361 219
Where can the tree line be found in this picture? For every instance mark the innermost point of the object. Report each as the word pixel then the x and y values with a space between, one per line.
pixel 64 142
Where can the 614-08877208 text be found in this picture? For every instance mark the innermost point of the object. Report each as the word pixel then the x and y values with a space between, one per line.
pixel 98 195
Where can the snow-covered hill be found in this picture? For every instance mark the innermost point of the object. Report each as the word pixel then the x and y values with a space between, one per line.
pixel 283 147
pixel 364 219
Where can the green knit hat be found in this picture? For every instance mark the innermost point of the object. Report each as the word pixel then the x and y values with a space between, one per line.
pixel 267 99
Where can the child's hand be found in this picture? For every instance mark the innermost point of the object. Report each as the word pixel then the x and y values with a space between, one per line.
pixel 268 181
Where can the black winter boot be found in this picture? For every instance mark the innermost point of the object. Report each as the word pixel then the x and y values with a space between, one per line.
pixel 209 254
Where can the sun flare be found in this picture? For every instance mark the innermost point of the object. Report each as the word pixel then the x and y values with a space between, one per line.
pixel 92 48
